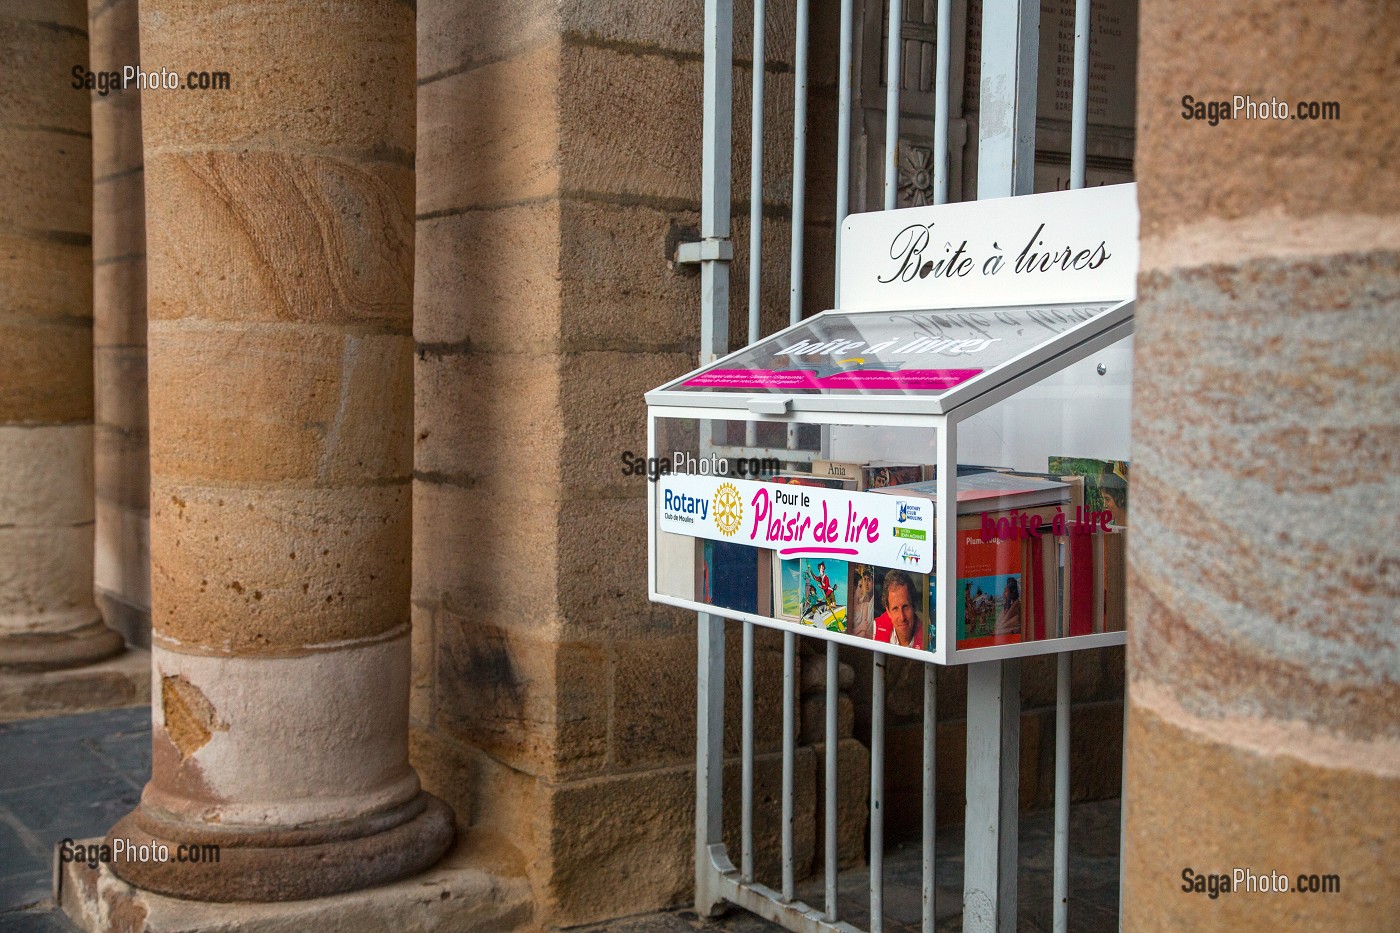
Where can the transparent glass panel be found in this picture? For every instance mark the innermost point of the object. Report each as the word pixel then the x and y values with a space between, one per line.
pixel 799 537
pixel 1045 557
pixel 916 353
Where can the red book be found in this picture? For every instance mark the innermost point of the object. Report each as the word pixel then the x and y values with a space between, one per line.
pixel 1081 585
pixel 1036 591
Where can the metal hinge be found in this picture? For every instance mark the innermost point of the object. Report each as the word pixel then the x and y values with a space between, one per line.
pixel 720 249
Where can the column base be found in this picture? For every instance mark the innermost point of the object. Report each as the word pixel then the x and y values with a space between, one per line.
pixel 32 651
pixel 121 680
pixel 289 864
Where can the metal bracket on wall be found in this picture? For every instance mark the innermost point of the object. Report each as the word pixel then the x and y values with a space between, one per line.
pixel 717 249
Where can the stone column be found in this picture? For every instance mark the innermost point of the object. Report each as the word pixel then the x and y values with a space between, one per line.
pixel 47 616
pixel 122 573
pixel 280 266
pixel 1263 659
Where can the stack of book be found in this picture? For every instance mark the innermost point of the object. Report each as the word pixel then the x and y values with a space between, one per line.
pixel 1012 585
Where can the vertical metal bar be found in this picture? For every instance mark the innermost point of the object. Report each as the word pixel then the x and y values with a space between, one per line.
pixel 930 894
pixel 893 74
pixel 1123 804
pixel 760 19
pixel 714 342
pixel 789 740
pixel 1079 115
pixel 833 697
pixel 877 795
pixel 799 162
pixel 715 175
pixel 799 178
pixel 993 742
pixel 1005 167
pixel 746 778
pixel 941 92
pixel 1061 882
pixel 1006 129
pixel 1079 119
pixel 709 760
pixel 942 65
pixel 843 134
pixel 756 170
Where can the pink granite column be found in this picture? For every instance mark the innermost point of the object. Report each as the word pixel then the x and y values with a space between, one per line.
pixel 1264 655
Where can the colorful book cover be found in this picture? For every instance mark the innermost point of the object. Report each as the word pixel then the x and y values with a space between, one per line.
pixel 903 616
pixel 864 602
pixel 877 475
pixel 824 593
pixel 930 638
pixel 734 576
pixel 1105 483
pixel 990 580
pixel 787 589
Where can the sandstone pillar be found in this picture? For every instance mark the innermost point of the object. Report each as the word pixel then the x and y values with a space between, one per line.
pixel 47 616
pixel 122 570
pixel 280 266
pixel 1262 653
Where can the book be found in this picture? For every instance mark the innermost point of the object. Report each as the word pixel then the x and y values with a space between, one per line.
pixel 889 605
pixel 787 588
pixel 1115 612
pixel 1105 483
pixel 878 474
pixel 979 492
pixel 734 576
pixel 837 469
pixel 809 479
pixel 1079 582
pixel 824 593
pixel 991 577
pixel 991 592
pixel 871 475
pixel 676 564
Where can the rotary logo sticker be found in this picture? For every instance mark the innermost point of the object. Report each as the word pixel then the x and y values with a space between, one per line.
pixel 729 509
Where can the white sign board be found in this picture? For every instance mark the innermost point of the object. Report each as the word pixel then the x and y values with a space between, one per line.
pixel 1059 247
pixel 799 521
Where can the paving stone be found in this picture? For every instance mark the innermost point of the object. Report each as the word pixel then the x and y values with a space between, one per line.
pixel 76 809
pixel 23 890
pixel 37 920
pixel 82 772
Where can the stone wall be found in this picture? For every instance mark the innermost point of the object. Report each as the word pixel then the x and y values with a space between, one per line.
pixel 1262 651
pixel 554 705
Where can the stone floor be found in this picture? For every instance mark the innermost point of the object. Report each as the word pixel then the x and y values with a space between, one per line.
pixel 73 776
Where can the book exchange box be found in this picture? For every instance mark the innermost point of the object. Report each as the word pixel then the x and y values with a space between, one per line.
pixel 938 468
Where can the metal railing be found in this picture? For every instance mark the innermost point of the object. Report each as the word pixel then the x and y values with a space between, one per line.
pixel 1005 167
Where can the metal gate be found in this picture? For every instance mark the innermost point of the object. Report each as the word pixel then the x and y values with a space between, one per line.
pixel 1005 166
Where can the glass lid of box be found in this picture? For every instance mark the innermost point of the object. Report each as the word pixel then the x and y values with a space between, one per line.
pixel 894 352
pixel 939 305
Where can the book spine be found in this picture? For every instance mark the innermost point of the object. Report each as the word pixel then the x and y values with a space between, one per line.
pixel 1096 548
pixel 1115 581
pixel 1079 570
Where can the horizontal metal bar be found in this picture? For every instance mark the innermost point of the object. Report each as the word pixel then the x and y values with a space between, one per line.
pixel 720 875
pixel 996 652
